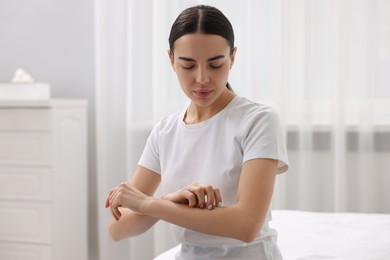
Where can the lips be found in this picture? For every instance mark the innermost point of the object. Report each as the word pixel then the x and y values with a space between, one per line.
pixel 203 93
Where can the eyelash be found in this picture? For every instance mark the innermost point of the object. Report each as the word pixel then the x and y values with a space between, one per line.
pixel 215 67
pixel 211 66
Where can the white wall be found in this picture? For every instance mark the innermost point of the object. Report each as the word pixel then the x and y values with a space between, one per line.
pixel 54 42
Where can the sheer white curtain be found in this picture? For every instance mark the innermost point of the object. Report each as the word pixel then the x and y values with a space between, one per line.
pixel 324 65
pixel 335 79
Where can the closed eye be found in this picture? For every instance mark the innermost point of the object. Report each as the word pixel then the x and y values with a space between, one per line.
pixel 215 66
pixel 188 67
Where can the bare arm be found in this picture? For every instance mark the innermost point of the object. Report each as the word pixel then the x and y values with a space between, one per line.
pixel 134 223
pixel 244 219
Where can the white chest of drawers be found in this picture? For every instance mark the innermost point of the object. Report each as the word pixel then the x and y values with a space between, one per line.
pixel 43 180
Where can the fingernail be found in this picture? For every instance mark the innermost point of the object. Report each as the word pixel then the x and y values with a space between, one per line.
pixel 210 207
pixel 219 204
pixel 201 206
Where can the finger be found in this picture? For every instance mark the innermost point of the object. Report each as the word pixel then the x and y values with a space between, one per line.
pixel 191 197
pixel 113 214
pixel 110 196
pixel 210 197
pixel 218 198
pixel 201 198
pixel 107 204
pixel 117 213
pixel 108 200
pixel 200 195
pixel 114 206
pixel 115 203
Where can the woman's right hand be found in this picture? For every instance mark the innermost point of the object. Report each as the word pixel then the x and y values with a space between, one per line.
pixel 196 195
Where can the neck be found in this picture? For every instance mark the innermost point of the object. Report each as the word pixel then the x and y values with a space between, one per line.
pixel 196 114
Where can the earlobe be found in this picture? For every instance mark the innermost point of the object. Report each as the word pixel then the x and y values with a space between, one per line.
pixel 233 56
pixel 170 55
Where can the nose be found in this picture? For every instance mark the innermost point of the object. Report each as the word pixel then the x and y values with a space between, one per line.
pixel 202 76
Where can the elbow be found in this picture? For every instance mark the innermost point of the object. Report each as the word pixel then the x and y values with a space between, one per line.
pixel 115 236
pixel 249 231
pixel 248 237
pixel 115 239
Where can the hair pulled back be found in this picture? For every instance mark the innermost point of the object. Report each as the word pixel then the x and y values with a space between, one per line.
pixel 202 19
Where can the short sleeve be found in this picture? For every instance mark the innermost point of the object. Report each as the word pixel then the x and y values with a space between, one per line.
pixel 150 157
pixel 264 138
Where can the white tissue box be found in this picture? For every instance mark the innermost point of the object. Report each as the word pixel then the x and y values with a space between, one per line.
pixel 24 91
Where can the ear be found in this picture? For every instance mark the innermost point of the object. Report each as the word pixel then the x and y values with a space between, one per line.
pixel 170 55
pixel 233 56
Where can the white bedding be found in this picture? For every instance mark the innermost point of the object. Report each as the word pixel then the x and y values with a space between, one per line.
pixel 345 236
pixel 315 236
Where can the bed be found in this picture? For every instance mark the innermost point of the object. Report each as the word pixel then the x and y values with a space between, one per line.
pixel 307 235
pixel 347 236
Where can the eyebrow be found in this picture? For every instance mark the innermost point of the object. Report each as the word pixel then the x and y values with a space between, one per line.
pixel 211 59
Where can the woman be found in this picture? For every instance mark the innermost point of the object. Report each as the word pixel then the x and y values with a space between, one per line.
pixel 216 161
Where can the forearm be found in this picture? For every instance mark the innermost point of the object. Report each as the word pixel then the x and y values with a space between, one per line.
pixel 242 221
pixel 242 225
pixel 130 224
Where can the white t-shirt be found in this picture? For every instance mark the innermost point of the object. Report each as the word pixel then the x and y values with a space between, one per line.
pixel 213 152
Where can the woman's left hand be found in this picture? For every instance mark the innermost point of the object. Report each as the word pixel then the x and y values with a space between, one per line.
pixel 124 195
pixel 196 195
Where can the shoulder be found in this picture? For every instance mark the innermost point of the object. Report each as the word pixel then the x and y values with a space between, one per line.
pixel 168 123
pixel 251 112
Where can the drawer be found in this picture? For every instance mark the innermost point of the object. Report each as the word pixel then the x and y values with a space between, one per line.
pixel 25 183
pixel 25 222
pixel 25 148
pixel 25 119
pixel 21 251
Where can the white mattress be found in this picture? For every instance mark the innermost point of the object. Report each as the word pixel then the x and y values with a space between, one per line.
pixel 316 236
pixel 347 236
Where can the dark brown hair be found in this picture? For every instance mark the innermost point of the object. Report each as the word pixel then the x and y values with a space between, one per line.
pixel 203 19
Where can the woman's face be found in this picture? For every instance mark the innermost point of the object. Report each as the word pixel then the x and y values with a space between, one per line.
pixel 202 63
